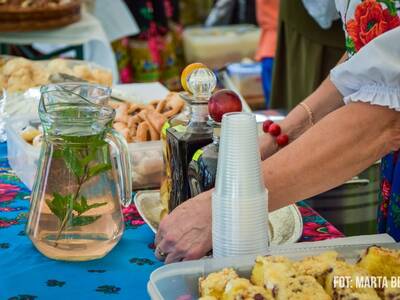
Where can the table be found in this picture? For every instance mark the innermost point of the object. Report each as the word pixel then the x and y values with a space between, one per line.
pixel 94 32
pixel 123 274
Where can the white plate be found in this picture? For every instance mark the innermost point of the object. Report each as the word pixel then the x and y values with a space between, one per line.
pixel 285 224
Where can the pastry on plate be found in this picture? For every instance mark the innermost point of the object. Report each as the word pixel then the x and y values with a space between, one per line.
pixel 318 266
pixel 301 288
pixel 350 290
pixel 272 272
pixel 391 293
pixel 380 261
pixel 241 288
pixel 214 284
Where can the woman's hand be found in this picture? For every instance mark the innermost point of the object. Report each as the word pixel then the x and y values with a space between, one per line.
pixel 185 234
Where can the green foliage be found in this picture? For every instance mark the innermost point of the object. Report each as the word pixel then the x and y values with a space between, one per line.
pixel 351 48
pixel 80 155
pixel 84 220
pixel 82 206
pixel 391 5
pixel 59 205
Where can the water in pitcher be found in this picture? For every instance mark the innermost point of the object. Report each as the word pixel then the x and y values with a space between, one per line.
pixel 82 176
pixel 78 214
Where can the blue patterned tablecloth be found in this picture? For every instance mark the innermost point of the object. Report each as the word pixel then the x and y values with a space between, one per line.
pixel 27 274
pixel 123 274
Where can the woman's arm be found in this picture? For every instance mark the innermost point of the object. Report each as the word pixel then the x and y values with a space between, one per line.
pixel 325 99
pixel 341 145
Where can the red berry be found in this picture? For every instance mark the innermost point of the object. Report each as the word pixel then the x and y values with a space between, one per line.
pixel 274 129
pixel 266 125
pixel 282 140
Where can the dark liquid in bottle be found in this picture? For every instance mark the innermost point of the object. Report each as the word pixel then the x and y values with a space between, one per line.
pixel 203 169
pixel 183 145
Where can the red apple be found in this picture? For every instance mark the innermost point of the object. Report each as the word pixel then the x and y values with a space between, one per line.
pixel 222 102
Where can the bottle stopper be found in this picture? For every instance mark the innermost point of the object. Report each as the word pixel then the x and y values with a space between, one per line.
pixel 201 83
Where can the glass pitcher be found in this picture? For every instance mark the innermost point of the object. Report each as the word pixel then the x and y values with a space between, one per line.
pixel 83 174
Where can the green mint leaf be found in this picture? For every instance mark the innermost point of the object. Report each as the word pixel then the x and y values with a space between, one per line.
pixel 72 161
pixel 99 168
pixel 87 159
pixel 83 220
pixel 57 153
pixel 59 205
pixel 95 205
pixel 81 206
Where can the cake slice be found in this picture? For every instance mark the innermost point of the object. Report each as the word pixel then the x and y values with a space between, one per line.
pixel 241 288
pixel 214 284
pixel 380 261
pixel 391 293
pixel 350 290
pixel 317 266
pixel 301 288
pixel 272 272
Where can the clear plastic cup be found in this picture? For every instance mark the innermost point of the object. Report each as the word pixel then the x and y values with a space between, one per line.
pixel 239 201
pixel 239 157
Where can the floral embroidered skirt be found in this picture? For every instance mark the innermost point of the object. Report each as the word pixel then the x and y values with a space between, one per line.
pixel 389 197
pixel 147 60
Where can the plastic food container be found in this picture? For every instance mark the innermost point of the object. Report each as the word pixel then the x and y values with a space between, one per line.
pixel 147 164
pixel 219 45
pixel 180 280
pixel 247 79
pixel 22 156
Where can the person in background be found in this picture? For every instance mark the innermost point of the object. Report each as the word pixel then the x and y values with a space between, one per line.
pixel 304 55
pixel 267 18
pixel 156 53
pixel 228 12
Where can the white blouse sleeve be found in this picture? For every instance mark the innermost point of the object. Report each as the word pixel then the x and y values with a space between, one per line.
pixel 372 74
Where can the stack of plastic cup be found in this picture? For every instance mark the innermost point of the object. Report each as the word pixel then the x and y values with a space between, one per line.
pixel 239 201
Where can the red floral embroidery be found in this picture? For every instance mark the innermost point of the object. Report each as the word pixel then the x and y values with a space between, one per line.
pixel 386 189
pixel 384 207
pixel 126 74
pixel 370 20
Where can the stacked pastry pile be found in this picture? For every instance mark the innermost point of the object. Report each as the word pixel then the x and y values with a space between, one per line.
pixel 276 277
pixel 143 122
pixel 20 74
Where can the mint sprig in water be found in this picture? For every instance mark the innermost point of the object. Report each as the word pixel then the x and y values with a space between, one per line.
pixel 82 163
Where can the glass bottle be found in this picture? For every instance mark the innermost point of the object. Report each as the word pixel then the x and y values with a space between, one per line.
pixel 184 141
pixel 203 167
pixel 166 183
pixel 83 175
